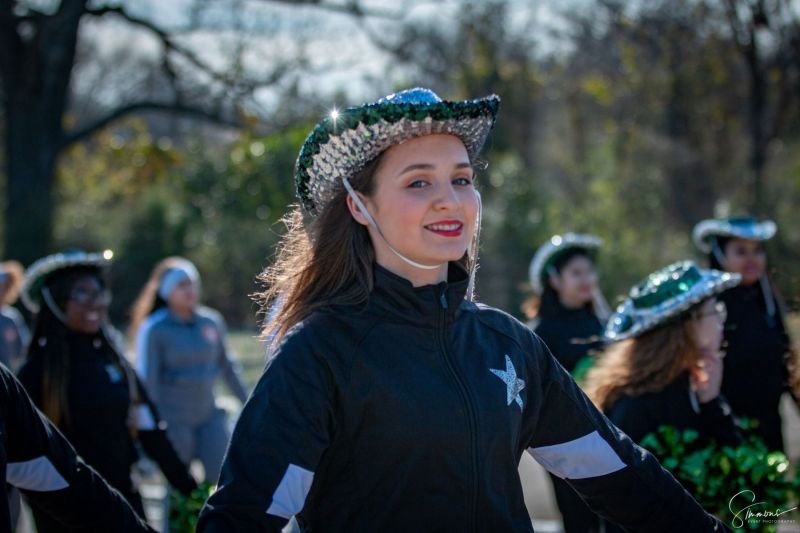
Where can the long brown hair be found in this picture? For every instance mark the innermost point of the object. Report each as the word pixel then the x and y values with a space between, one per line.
pixel 647 363
pixel 320 261
pixel 149 300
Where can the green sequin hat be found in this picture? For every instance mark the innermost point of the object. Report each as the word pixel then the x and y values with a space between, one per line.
pixel 664 295
pixel 742 227
pixel 555 247
pixel 347 139
pixel 37 274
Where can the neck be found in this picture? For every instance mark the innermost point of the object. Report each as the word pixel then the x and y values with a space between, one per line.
pixel 571 304
pixel 182 312
pixel 417 276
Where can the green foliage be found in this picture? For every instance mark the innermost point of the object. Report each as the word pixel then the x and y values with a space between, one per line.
pixel 184 511
pixel 716 474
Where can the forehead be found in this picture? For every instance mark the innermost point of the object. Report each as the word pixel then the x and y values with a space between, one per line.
pixel 435 150
pixel 86 281
pixel 744 243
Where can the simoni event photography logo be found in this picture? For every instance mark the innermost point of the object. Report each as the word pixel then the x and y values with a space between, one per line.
pixel 747 510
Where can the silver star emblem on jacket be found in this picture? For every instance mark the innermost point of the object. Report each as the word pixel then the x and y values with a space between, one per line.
pixel 514 385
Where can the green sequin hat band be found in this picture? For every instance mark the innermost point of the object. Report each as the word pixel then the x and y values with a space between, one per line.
pixel 345 141
pixel 749 228
pixel 37 274
pixel 665 295
pixel 555 247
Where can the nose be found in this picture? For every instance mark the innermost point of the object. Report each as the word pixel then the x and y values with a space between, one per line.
pixel 447 198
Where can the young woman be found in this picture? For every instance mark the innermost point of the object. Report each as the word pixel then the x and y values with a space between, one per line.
pixel 666 368
pixel 14 334
pixel 568 312
pixel 393 402
pixel 77 376
pixel 181 351
pixel 758 348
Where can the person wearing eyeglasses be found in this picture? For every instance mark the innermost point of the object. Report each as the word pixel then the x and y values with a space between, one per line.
pixel 758 349
pixel 76 375
pixel 664 366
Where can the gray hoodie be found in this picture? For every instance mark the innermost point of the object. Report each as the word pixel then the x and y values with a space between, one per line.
pixel 179 362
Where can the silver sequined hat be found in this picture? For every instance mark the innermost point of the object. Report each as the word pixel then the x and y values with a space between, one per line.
pixel 741 227
pixel 37 274
pixel 347 139
pixel 552 249
pixel 664 295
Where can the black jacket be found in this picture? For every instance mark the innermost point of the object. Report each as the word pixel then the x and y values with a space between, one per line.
pixel 756 361
pixel 571 334
pixel 38 460
pixel 412 413
pixel 674 406
pixel 98 401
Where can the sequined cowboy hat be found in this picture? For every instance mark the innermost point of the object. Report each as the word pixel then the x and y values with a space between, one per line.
pixel 37 274
pixel 664 295
pixel 742 227
pixel 347 139
pixel 555 247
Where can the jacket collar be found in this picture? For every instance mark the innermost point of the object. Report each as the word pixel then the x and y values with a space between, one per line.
pixel 395 296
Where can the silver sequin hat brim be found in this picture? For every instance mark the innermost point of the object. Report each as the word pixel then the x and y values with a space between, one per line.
pixel 641 321
pixel 557 244
pixel 39 271
pixel 343 143
pixel 705 230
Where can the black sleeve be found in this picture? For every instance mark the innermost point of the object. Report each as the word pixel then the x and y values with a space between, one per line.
pixel 283 430
pixel 620 481
pixel 153 438
pixel 45 467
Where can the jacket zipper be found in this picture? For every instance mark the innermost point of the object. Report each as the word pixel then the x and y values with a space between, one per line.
pixel 472 418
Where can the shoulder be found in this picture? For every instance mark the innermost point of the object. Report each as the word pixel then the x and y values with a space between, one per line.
pixel 11 313
pixel 153 322
pixel 498 322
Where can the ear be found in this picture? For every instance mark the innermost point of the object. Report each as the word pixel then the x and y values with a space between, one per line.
pixel 355 212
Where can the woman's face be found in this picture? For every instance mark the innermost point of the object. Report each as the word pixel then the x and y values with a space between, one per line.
pixel 184 296
pixel 707 325
pixel 424 202
pixel 87 305
pixel 576 282
pixel 746 257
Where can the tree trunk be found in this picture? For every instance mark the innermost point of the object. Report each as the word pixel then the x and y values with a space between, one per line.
pixel 36 77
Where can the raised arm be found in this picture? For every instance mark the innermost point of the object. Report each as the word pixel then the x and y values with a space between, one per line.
pixel 279 438
pixel 619 480
pixel 44 466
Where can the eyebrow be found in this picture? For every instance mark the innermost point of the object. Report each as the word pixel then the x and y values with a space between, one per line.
pixel 429 166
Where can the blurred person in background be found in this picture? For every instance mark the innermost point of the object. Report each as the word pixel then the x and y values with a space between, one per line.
pixel 76 374
pixel 758 350
pixel 14 334
pixel 181 351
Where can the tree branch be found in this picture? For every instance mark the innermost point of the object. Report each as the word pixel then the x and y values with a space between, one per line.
pixel 175 107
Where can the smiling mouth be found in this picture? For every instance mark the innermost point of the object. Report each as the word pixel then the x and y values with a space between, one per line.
pixel 449 229
pixel 93 317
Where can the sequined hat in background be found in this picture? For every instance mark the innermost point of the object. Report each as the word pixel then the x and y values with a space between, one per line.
pixel 664 295
pixel 550 251
pixel 37 274
pixel 346 140
pixel 742 227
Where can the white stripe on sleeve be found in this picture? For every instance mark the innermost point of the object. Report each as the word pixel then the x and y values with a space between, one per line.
pixel 290 496
pixel 587 456
pixel 36 474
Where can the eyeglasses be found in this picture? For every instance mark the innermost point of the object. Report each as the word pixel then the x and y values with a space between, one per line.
pixel 83 297
pixel 720 311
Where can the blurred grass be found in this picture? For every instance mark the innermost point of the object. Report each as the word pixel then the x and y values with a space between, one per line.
pixel 250 352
